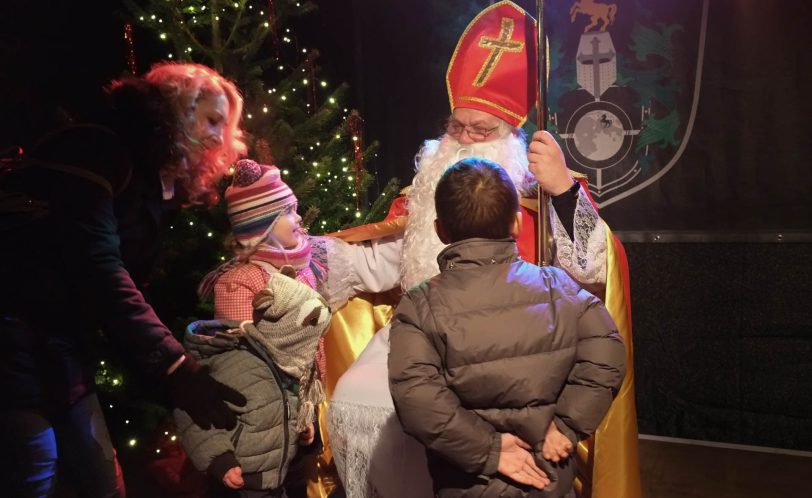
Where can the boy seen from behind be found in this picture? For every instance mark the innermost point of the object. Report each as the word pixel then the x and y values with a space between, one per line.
pixel 499 367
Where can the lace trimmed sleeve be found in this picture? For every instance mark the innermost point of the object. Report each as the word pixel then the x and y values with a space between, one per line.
pixel 584 257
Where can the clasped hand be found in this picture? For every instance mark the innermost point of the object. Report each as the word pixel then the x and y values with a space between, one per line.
pixel 516 458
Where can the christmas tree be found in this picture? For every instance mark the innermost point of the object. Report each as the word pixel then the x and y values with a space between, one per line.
pixel 295 117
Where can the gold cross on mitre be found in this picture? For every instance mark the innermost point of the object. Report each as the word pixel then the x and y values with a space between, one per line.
pixel 497 46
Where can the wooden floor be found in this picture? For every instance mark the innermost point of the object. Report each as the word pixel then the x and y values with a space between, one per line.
pixel 669 468
pixel 680 468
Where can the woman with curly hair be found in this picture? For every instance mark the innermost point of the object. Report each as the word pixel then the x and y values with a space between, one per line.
pixel 81 224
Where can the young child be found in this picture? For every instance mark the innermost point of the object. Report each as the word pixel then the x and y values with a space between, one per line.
pixel 271 361
pixel 497 363
pixel 267 236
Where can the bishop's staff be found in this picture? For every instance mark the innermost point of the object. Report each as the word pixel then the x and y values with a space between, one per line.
pixel 545 242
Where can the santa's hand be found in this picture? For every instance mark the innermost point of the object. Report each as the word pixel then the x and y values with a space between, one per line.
pixel 548 165
pixel 233 478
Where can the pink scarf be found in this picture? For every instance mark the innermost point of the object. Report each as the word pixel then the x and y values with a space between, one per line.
pixel 308 271
pixel 298 258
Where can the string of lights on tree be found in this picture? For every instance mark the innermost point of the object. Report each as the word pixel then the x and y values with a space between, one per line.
pixel 295 118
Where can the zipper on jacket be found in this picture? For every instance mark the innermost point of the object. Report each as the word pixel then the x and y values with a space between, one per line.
pixel 235 438
pixel 285 403
pixel 285 424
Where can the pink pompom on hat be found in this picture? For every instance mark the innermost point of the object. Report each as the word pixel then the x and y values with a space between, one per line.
pixel 256 197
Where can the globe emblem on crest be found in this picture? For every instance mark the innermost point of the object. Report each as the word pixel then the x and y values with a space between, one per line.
pixel 599 135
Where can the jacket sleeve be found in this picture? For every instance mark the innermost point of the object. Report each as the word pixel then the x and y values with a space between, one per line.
pixel 376 263
pixel 86 236
pixel 428 409
pixel 210 450
pixel 598 371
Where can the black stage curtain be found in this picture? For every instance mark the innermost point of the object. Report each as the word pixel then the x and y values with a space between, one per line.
pixel 723 341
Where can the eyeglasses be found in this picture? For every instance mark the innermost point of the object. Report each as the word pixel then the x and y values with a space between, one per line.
pixel 477 133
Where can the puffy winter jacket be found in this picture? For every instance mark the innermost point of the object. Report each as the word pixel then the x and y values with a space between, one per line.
pixel 494 344
pixel 264 441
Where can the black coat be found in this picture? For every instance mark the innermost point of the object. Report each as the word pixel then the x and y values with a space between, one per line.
pixel 65 276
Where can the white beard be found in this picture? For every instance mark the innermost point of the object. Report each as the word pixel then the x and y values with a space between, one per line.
pixel 421 245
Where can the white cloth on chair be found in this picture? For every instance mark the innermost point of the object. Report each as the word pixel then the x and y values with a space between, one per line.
pixel 374 457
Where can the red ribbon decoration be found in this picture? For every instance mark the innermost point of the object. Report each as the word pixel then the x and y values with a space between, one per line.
pixel 314 102
pixel 354 122
pixel 272 24
pixel 128 37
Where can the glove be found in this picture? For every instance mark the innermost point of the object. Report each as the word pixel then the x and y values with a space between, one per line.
pixel 202 397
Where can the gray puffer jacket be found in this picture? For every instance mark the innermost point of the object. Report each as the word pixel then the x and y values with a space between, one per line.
pixel 494 344
pixel 264 441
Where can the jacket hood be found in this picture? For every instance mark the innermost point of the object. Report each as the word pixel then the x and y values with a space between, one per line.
pixel 205 338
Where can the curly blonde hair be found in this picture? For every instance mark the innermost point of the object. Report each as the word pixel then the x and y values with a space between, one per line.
pixel 183 84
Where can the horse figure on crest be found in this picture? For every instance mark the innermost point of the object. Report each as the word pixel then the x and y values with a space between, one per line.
pixel 598 12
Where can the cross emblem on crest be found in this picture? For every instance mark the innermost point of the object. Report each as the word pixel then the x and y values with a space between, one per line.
pixel 497 46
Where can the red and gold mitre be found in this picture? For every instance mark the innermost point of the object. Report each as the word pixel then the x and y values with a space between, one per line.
pixel 494 67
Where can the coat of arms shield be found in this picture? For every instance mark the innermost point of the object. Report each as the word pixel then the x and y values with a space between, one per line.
pixel 624 79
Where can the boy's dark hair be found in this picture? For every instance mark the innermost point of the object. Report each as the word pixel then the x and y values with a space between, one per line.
pixel 475 198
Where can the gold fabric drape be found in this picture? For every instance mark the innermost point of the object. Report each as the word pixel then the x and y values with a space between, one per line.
pixel 350 331
pixel 608 463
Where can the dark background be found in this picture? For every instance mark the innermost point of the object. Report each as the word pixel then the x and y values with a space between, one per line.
pixel 723 328
pixel 747 164
pixel 723 331
pixel 746 167
pixel 55 56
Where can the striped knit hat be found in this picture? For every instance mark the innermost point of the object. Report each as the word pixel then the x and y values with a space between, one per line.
pixel 256 196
